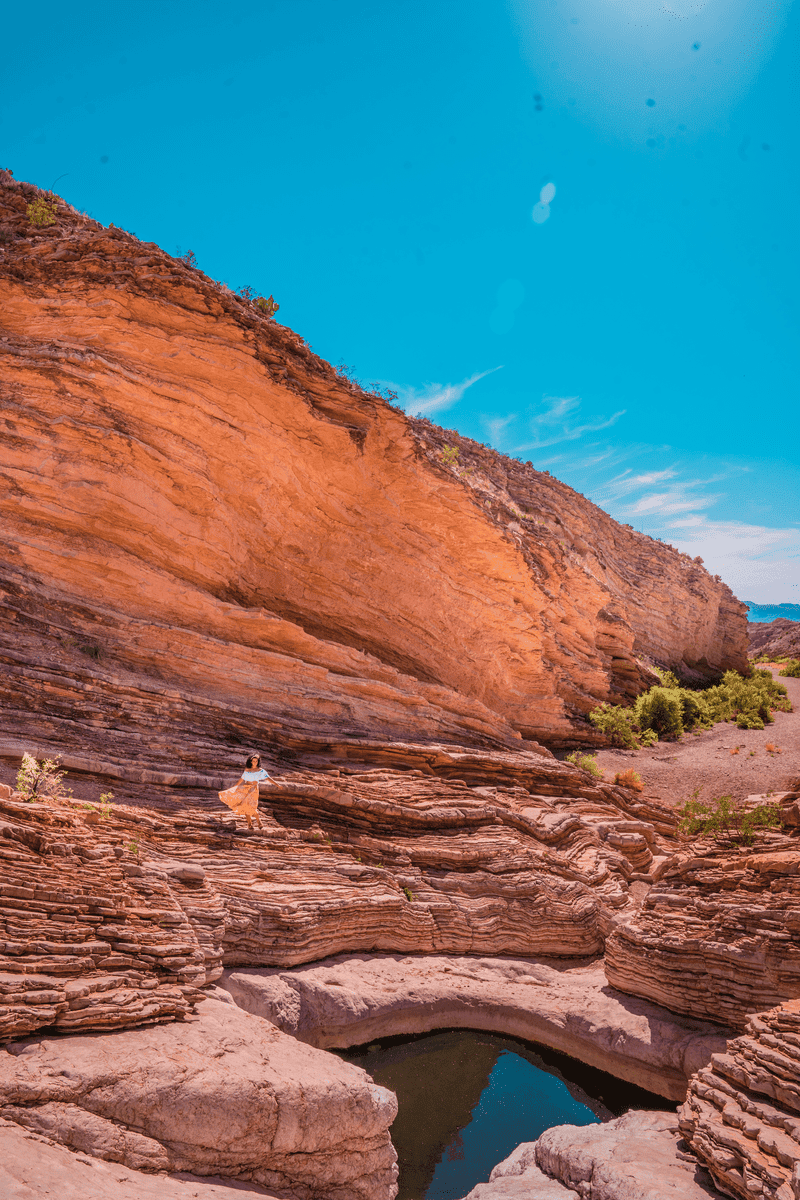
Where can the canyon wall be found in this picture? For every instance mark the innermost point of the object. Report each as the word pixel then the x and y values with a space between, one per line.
pixel 742 1114
pixel 209 533
pixel 119 920
pixel 780 637
pixel 716 936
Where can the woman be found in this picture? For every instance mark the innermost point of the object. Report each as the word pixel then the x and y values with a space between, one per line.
pixel 243 796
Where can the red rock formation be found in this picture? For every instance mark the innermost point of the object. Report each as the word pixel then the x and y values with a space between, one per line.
pixel 716 936
pixel 209 534
pixel 742 1114
pixel 118 922
pixel 780 637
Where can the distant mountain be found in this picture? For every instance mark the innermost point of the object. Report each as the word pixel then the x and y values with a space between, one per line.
pixel 771 612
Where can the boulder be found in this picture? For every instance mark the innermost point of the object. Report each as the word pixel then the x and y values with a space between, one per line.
pixel 636 1157
pixel 32 1166
pixel 222 1094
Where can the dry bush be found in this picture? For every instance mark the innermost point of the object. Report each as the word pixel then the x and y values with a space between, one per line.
pixel 629 779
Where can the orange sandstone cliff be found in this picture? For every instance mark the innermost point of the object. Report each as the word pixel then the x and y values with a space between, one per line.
pixel 212 540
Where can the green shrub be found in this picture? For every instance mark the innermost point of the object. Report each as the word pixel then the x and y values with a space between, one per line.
pixel 667 711
pixel 407 892
pixel 616 723
pixel 695 711
pixel 723 817
pixel 267 305
pixel 661 710
pixel 586 762
pixel 792 669
pixel 668 678
pixel 748 702
pixel 41 212
pixel 449 455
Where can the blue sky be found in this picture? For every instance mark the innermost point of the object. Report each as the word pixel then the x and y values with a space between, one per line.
pixel 564 227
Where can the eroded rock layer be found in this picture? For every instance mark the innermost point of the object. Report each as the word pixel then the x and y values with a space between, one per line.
pixel 742 1114
pixel 717 935
pixel 119 920
pixel 208 532
pixel 780 637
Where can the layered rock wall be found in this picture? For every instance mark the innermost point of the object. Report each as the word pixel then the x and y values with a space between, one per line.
pixel 717 934
pixel 780 637
pixel 742 1114
pixel 206 528
pixel 116 921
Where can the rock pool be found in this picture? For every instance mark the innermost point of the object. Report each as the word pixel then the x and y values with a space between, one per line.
pixel 467 1098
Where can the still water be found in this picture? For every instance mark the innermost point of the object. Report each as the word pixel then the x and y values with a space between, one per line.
pixel 467 1099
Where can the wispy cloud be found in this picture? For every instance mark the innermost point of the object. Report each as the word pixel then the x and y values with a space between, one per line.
pixel 676 500
pixel 669 495
pixel 555 425
pixel 758 562
pixel 436 397
pixel 550 427
pixel 680 496
pixel 496 428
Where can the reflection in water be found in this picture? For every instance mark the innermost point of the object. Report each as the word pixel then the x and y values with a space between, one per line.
pixel 467 1099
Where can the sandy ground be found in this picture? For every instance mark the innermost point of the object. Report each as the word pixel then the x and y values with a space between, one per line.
pixel 673 770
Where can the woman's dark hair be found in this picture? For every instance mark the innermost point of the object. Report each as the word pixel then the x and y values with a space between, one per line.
pixel 252 759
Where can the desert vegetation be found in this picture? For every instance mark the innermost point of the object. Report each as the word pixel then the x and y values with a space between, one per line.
pixel 723 817
pixel 585 762
pixel 629 779
pixel 41 212
pixel 35 780
pixel 668 710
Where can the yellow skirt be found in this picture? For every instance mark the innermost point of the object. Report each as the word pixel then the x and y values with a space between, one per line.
pixel 242 798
